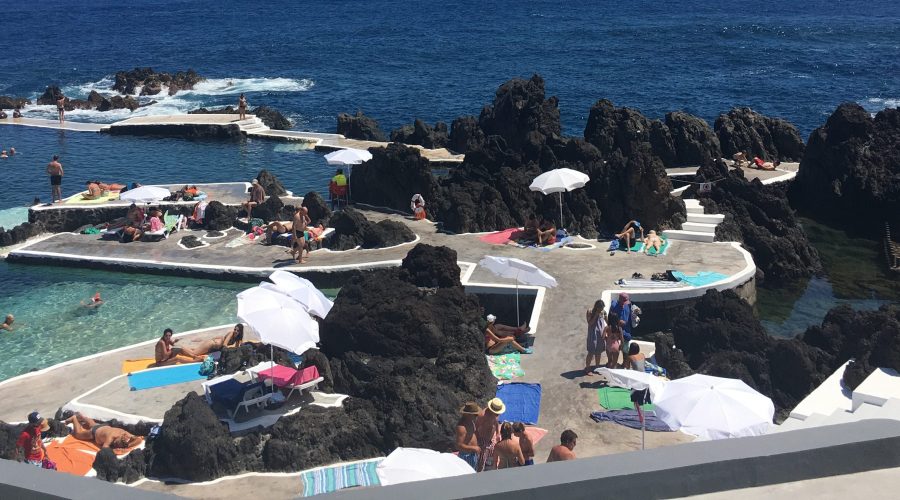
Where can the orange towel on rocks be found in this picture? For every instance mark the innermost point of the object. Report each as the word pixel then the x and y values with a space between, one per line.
pixel 136 365
pixel 75 456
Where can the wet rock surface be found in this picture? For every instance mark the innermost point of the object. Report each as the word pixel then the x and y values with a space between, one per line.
pixel 151 82
pixel 360 127
pixel 352 229
pixel 745 130
pixel 10 102
pixel 761 219
pixel 850 172
pixel 20 233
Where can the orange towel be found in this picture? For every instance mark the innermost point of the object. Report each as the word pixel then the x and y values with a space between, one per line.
pixel 136 365
pixel 75 456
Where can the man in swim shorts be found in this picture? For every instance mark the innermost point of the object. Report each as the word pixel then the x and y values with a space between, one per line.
pixel 167 353
pixel 103 435
pixel 55 171
pixel 466 439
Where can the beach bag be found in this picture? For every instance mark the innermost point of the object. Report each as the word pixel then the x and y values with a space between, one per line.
pixel 613 246
pixel 635 315
pixel 208 367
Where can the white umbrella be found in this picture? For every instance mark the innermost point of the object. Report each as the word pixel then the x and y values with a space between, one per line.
pixel 558 181
pixel 635 380
pixel 714 407
pixel 348 157
pixel 278 319
pixel 303 291
pixel 519 270
pixel 145 194
pixel 405 465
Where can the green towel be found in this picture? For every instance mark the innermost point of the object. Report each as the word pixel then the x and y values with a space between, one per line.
pixel 169 221
pixel 506 366
pixel 617 398
pixel 662 248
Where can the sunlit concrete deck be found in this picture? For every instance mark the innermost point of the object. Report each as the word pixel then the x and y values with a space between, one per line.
pixel 53 124
pixel 228 193
pixel 785 172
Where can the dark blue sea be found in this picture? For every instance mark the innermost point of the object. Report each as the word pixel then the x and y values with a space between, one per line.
pixel 402 60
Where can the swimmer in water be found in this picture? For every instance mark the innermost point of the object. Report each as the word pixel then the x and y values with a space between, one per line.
pixel 7 323
pixel 94 303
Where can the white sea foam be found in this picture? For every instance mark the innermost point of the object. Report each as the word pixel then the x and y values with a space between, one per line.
pixel 880 103
pixel 163 103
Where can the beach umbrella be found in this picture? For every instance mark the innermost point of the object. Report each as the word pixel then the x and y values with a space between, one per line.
pixel 347 158
pixel 558 181
pixel 714 407
pixel 633 379
pixel 278 319
pixel 405 465
pixel 302 290
pixel 523 272
pixel 145 194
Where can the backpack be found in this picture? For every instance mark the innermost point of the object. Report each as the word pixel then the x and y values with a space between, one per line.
pixel 635 315
pixel 208 367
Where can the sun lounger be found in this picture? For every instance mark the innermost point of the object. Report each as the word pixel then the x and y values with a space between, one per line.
pixel 288 378
pixel 234 395
pixel 171 224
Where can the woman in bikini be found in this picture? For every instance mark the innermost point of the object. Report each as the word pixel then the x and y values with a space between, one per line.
pixel 508 452
pixel 242 106
pixel 614 339
pixel 61 107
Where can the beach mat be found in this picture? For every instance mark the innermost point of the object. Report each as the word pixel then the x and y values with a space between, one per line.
pixel 500 237
pixel 523 402
pixel 506 366
pixel 169 375
pixel 702 278
pixel 338 477
pixel 78 200
pixel 617 398
pixel 629 418
pixel 136 365
pixel 76 457
pixel 559 244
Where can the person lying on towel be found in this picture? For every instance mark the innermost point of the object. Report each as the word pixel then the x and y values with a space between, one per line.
pixel 103 435
pixel 652 240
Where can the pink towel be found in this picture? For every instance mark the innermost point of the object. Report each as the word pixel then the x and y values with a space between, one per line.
pixel 500 237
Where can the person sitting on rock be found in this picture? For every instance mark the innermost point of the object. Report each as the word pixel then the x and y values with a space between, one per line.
pixel 628 234
pixel 532 228
pixel 257 196
pixel 17 113
pixel 508 451
pixel 765 165
pixel 103 435
pixel 501 331
pixel 499 345
pixel 652 241
pixel 93 191
pixel 740 159
pixel 546 233
pixel 417 205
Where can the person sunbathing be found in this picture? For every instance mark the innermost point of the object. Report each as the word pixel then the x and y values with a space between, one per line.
pixel 508 451
pixel 103 435
pixel 635 359
pixel 135 215
pixel 546 233
pixel 628 233
pixel 740 159
pixel 531 229
pixel 234 338
pixel 277 228
pixel 496 345
pixel 506 330
pixel 129 234
pixel 93 191
pixel 167 354
pixel 765 165
pixel 652 240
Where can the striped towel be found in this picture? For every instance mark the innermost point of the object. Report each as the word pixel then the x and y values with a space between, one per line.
pixel 338 477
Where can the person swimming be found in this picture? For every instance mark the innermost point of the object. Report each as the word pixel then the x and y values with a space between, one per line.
pixel 94 302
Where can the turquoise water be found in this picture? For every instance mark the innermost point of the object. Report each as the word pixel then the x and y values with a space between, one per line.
pixel 52 327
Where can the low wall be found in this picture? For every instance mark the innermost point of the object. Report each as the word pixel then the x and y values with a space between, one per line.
pixel 676 471
pixel 188 130
pixel 27 482
pixel 68 219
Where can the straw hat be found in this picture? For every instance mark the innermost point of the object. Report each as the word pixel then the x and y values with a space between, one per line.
pixel 496 406
pixel 470 408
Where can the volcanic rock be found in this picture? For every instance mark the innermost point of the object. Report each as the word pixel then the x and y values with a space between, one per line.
pixel 191 241
pixel 359 127
pixel 352 229
pixel 391 177
pixel 432 267
pixel 7 102
pixel 743 129
pixel 151 82
pixel 48 98
pixel 465 135
pixel 317 208
pixel 270 183
pixel 760 218
pixel 693 141
pixel 111 468
pixel 422 134
pixel 20 233
pixel 272 118
pixel 218 216
pixel 269 210
pixel 850 172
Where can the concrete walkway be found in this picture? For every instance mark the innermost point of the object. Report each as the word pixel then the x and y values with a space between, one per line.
pixel 53 124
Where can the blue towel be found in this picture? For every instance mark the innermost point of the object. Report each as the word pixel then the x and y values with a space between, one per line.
pixel 702 278
pixel 523 402
pixel 149 379
pixel 629 418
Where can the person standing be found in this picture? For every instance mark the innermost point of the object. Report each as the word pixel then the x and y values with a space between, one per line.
pixel 242 106
pixel 61 107
pixel 564 450
pixel 613 340
pixel 623 308
pixel 55 171
pixel 596 323
pixel 466 440
pixel 487 430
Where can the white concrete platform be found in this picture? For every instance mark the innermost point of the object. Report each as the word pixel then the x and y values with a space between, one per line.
pixel 700 227
pixel 829 397
pixel 883 384
pixel 680 234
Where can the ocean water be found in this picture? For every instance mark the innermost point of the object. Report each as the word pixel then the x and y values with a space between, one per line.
pixel 396 61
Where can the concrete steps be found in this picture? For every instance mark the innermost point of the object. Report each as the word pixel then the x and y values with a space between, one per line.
pixel 699 226
pixel 706 218
pixel 680 234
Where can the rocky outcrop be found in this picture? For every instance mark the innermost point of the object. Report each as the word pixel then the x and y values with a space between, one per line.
pixel 48 98
pixel 8 102
pixel 693 142
pixel 218 216
pixel 151 83
pixel 391 177
pixel 270 183
pixel 20 233
pixel 760 218
pixel 422 134
pixel 359 127
pixel 850 172
pixel 743 129
pixel 116 102
pixel 317 208
pixel 352 229
pixel 465 135
pixel 432 267
pixel 269 210
pixel 94 101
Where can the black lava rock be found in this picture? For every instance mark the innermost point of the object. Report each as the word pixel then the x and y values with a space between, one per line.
pixel 359 127
pixel 318 209
pixel 745 130
pixel 422 134
pixel 272 118
pixel 270 183
pixel 218 216
pixel 352 229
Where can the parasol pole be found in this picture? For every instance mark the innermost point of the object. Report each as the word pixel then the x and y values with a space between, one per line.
pixel 272 368
pixel 517 301
pixel 561 224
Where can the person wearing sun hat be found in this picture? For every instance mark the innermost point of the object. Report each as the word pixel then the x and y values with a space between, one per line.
pixel 487 429
pixel 30 443
pixel 466 438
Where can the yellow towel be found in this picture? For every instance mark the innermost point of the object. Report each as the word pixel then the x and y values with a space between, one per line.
pixel 136 365
pixel 78 200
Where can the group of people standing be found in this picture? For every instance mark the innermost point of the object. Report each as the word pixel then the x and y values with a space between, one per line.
pixel 610 334
pixel 486 444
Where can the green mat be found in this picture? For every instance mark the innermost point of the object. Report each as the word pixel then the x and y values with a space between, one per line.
pixel 506 366
pixel 617 398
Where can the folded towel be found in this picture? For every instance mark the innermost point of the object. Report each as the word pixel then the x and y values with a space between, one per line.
pixel 338 477
pixel 629 418
pixel 169 375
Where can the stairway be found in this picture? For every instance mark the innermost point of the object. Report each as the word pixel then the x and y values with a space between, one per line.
pixel 699 226
pixel 252 124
